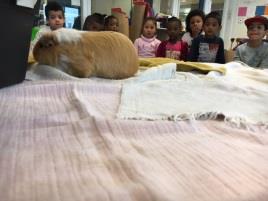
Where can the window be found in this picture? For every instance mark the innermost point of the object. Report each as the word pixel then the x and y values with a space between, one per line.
pixel 185 7
pixel 70 14
pixel 166 6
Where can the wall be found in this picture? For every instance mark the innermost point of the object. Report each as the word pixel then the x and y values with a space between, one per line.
pixel 233 25
pixel 156 6
pixel 239 27
pixel 104 6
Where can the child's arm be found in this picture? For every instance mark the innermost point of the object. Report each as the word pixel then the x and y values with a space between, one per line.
pixel 161 50
pixel 194 51
pixel 220 54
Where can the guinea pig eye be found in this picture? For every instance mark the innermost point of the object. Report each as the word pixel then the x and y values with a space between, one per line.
pixel 50 44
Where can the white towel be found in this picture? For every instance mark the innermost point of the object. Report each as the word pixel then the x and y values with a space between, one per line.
pixel 241 97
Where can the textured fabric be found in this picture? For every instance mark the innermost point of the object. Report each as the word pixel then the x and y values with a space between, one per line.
pixel 181 65
pixel 194 97
pixel 178 51
pixel 45 72
pixel 60 141
pixel 205 49
pixel 254 57
pixel 146 47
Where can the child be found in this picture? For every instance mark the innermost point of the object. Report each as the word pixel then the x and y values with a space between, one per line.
pixel 210 47
pixel 194 24
pixel 174 47
pixel 147 44
pixel 94 22
pixel 255 51
pixel 55 20
pixel 111 23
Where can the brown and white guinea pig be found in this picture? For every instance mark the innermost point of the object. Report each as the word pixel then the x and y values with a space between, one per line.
pixel 84 54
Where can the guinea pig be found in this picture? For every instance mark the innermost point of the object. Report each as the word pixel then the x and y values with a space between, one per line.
pixel 84 54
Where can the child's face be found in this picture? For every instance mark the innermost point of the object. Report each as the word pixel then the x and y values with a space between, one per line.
pixel 149 29
pixel 55 19
pixel 173 30
pixel 196 24
pixel 112 25
pixel 211 27
pixel 256 31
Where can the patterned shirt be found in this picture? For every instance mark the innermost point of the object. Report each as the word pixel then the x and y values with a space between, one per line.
pixel 176 50
pixel 205 49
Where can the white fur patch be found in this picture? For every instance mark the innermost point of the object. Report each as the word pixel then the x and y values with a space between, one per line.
pixel 68 35
pixel 63 63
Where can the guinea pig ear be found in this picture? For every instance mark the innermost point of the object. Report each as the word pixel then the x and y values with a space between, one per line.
pixel 47 41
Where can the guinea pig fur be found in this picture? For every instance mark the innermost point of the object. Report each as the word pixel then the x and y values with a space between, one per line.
pixel 84 53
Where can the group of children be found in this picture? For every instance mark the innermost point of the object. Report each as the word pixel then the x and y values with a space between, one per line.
pixel 192 46
pixel 200 42
pixel 99 22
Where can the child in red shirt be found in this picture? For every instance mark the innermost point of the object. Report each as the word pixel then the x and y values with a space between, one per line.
pixel 174 47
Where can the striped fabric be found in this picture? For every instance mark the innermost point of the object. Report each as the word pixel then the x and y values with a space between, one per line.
pixel 60 141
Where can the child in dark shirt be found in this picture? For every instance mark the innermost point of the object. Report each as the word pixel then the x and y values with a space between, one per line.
pixel 174 47
pixel 209 47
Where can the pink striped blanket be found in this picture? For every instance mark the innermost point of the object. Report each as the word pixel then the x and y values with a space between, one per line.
pixel 61 140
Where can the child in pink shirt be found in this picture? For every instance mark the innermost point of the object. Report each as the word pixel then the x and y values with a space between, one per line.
pixel 147 44
pixel 174 47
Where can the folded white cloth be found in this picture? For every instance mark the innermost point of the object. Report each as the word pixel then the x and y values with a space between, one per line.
pixel 240 97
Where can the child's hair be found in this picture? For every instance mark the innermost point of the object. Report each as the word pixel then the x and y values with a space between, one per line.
pixel 174 19
pixel 149 19
pixel 193 13
pixel 95 17
pixel 146 20
pixel 107 19
pixel 215 15
pixel 53 6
